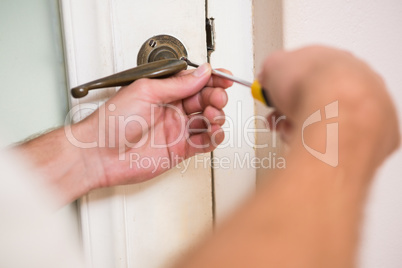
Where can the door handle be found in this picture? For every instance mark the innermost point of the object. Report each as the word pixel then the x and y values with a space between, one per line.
pixel 156 69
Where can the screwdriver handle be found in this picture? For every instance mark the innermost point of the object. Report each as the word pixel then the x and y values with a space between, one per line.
pixel 260 94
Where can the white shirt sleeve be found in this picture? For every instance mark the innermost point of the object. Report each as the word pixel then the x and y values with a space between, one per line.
pixel 32 233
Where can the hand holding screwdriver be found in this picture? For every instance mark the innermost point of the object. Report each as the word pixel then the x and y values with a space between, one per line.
pixel 256 90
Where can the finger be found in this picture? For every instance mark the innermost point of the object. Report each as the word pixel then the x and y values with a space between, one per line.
pixel 277 120
pixel 205 142
pixel 174 88
pixel 285 130
pixel 185 72
pixel 214 81
pixel 216 97
pixel 277 77
pixel 199 123
pixel 272 120
pixel 279 123
pixel 284 74
pixel 217 81
pixel 214 115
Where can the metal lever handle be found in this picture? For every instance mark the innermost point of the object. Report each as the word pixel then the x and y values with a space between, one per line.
pixel 156 69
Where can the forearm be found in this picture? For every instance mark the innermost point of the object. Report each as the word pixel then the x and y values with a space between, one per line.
pixel 317 212
pixel 101 146
pixel 307 215
pixel 61 164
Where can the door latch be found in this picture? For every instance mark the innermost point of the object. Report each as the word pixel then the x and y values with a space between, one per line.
pixel 210 29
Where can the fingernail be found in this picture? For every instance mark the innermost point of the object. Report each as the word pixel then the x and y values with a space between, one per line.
pixel 201 70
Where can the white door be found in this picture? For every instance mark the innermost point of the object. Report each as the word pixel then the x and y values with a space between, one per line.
pixel 152 223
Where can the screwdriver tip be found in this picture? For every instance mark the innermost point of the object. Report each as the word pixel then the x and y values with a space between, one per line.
pixel 189 62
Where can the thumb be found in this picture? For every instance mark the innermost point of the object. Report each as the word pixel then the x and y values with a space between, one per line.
pixel 180 87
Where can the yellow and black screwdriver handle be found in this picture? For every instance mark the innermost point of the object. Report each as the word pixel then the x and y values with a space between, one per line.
pixel 260 94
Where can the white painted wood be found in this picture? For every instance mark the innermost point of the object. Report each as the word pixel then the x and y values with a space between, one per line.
pixel 268 37
pixel 149 224
pixel 233 182
pixel 89 55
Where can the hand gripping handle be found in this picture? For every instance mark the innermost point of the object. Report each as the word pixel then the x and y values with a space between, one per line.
pixel 156 69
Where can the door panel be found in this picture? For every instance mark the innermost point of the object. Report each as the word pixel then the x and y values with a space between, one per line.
pixel 148 224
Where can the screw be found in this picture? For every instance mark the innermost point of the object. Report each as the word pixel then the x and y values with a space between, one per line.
pixel 152 43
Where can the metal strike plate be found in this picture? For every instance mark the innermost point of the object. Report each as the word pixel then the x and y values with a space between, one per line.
pixel 161 47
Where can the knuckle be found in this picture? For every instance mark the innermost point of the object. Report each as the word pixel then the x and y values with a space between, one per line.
pixel 143 84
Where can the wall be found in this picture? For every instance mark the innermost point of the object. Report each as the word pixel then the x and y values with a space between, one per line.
pixel 33 94
pixel 371 30
pixel 33 88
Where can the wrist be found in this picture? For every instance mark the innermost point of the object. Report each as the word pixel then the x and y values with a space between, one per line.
pixel 83 137
pixel 59 163
pixel 336 150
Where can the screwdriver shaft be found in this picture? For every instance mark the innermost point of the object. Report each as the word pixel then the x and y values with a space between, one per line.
pixel 221 74
pixel 257 91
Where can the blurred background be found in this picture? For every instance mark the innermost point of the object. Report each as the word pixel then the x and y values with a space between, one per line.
pixel 34 99
pixel 33 80
pixel 32 74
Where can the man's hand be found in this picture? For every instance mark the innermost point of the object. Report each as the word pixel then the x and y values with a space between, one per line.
pixel 303 81
pixel 163 120
pixel 166 120
pixel 308 214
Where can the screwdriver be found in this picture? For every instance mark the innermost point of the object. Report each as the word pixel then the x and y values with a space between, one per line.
pixel 257 91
